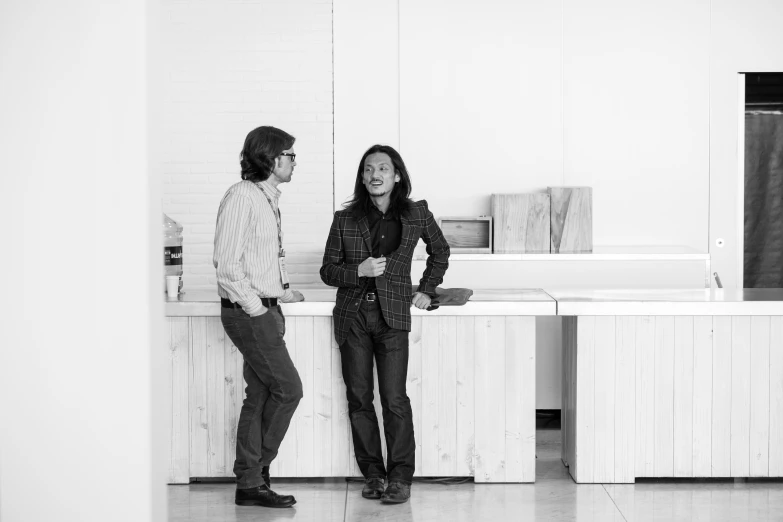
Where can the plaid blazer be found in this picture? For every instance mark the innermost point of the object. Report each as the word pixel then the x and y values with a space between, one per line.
pixel 349 244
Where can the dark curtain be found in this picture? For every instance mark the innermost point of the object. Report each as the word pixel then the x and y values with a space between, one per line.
pixel 763 200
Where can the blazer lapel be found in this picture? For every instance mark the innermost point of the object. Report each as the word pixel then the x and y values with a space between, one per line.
pixel 407 226
pixel 364 228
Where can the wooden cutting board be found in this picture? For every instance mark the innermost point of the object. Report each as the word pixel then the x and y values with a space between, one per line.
pixel 571 219
pixel 521 223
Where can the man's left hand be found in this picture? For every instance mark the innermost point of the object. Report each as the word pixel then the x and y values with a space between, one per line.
pixel 297 296
pixel 421 301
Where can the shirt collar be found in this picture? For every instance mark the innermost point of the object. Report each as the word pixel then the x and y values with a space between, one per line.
pixel 273 192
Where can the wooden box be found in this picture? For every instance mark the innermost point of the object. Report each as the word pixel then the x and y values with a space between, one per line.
pixel 572 219
pixel 521 223
pixel 467 235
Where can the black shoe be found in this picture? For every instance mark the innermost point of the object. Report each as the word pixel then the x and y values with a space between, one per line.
pixel 396 493
pixel 373 488
pixel 265 476
pixel 263 496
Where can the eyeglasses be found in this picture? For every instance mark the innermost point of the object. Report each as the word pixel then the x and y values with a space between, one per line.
pixel 290 155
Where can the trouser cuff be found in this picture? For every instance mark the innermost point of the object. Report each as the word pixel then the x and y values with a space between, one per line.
pixel 251 482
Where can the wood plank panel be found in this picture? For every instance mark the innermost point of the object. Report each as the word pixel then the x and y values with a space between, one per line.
pixel 233 397
pixel 167 429
pixel 573 399
pixel 683 397
pixel 514 357
pixel 216 378
pixel 776 397
pixel 645 396
pixel 702 396
pixel 447 396
pixel 215 391
pixel 199 437
pixel 178 329
pixel 322 396
pixel 528 421
pixel 490 399
pixel 664 396
pixel 604 398
pixel 759 396
pixel 585 391
pixel 520 441
pixel 625 401
pixel 414 384
pixel 571 219
pixel 286 456
pixel 721 396
pixel 740 396
pixel 342 449
pixel 521 223
pixel 302 423
pixel 465 459
pixel 428 429
pixel 565 388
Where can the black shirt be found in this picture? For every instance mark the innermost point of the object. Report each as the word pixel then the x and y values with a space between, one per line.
pixel 385 235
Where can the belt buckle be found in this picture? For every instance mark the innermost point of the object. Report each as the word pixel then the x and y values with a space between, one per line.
pixel 369 297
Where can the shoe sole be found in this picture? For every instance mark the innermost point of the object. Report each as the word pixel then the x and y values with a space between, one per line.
pixel 371 497
pixel 389 501
pixel 261 504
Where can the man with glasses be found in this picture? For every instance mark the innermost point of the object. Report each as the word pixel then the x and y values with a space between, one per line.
pixel 252 280
pixel 368 257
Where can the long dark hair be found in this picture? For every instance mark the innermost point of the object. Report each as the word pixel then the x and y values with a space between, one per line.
pixel 262 146
pixel 400 196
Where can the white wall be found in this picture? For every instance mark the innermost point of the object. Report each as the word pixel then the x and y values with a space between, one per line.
pixel 79 335
pixel 231 67
pixel 480 100
pixel 366 85
pixel 636 110
pixel 512 97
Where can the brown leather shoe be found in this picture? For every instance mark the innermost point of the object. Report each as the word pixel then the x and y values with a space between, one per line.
pixel 263 496
pixel 373 488
pixel 396 493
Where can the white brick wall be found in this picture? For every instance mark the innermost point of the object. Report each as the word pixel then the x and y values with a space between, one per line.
pixel 233 66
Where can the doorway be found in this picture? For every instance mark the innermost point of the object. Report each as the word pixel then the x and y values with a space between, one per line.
pixel 763 181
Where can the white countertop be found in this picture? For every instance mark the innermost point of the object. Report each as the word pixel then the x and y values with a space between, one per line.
pixel 320 302
pixel 755 301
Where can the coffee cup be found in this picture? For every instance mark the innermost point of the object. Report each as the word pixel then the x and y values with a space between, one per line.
pixel 172 286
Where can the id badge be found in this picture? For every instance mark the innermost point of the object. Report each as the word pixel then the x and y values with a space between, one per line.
pixel 283 272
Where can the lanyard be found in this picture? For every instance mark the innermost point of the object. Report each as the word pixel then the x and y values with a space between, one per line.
pixel 278 218
pixel 281 252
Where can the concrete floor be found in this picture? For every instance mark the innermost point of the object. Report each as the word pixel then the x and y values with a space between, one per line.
pixel 553 497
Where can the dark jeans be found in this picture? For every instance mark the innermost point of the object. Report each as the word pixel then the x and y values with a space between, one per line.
pixel 370 336
pixel 272 394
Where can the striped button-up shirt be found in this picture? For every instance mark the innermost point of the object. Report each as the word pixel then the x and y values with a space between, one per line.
pixel 247 246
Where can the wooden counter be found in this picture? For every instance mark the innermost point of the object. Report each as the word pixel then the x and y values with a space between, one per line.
pixel 471 381
pixel 680 383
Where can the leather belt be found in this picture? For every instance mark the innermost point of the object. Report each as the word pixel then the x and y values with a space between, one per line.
pixel 268 302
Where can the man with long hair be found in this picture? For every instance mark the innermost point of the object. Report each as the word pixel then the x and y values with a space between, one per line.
pixel 368 257
pixel 251 277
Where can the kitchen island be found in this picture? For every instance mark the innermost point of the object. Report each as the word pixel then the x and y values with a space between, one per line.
pixel 672 383
pixel 471 381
